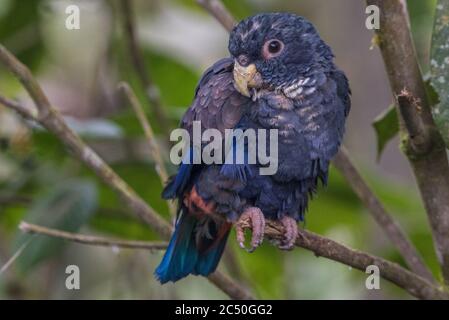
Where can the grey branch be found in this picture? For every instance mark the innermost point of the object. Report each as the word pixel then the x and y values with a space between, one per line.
pixel 19 108
pixel 422 143
pixel 324 247
pixel 409 108
pixel 91 240
pixel 217 9
pixel 343 163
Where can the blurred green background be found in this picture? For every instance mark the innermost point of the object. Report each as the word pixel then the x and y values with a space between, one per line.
pixel 79 70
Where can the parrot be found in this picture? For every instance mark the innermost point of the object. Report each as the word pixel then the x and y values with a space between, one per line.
pixel 280 75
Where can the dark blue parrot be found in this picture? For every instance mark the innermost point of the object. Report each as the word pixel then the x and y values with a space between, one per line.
pixel 280 75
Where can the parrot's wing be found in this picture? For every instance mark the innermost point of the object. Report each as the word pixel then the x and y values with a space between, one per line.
pixel 331 137
pixel 218 105
pixel 343 90
pixel 332 102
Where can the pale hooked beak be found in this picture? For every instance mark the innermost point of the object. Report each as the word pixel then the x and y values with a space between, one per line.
pixel 246 78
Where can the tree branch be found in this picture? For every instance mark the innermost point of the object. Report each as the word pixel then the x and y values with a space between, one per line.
pixel 138 63
pixel 391 228
pixel 51 119
pixel 218 10
pixel 323 247
pixel 148 130
pixel 409 107
pixel 19 108
pixel 91 240
pixel 422 143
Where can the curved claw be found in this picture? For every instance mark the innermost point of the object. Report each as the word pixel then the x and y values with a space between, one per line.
pixel 291 232
pixel 257 221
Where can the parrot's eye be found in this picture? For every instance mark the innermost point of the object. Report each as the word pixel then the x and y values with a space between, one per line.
pixel 272 48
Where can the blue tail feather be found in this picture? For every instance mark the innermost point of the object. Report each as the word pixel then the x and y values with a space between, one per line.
pixel 185 255
pixel 208 263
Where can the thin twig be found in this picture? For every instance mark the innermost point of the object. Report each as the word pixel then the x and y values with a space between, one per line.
pixel 409 108
pixel 321 246
pixel 91 240
pixel 218 10
pixel 149 134
pixel 343 163
pixel 138 63
pixel 148 130
pixel 15 256
pixel 51 119
pixel 421 141
pixel 19 108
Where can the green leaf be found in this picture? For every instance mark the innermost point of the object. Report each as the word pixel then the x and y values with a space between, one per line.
pixel 386 126
pixel 421 22
pixel 66 206
pixel 439 67
pixel 431 92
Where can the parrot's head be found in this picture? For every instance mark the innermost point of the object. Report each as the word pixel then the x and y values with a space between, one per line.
pixel 274 51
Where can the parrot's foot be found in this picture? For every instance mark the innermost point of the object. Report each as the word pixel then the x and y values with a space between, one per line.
pixel 257 222
pixel 291 232
pixel 195 203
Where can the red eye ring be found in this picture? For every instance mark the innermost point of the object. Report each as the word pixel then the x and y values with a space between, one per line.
pixel 272 48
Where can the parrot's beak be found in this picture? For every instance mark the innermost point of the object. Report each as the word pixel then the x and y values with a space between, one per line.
pixel 246 78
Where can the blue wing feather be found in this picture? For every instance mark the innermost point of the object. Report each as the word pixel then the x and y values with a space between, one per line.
pixel 178 183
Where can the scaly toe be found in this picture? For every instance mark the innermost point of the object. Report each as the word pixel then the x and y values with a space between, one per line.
pixel 291 232
pixel 257 221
